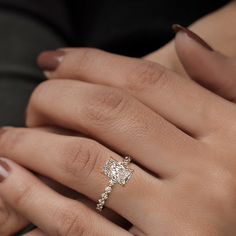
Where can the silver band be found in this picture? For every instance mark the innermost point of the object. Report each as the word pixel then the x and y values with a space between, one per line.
pixel 119 173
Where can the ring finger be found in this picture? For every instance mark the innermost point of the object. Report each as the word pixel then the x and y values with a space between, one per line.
pixel 78 163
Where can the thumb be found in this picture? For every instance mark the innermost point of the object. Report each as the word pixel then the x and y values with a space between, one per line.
pixel 208 67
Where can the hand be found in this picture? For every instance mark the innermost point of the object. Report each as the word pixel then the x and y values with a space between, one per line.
pixel 12 222
pixel 211 64
pixel 211 28
pixel 208 67
pixel 191 190
pixel 214 28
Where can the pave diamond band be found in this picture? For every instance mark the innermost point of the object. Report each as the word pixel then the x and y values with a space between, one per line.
pixel 118 173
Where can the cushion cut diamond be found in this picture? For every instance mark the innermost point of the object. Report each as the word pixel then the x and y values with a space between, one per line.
pixel 117 171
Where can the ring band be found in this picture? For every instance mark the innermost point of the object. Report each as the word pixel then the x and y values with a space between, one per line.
pixel 119 173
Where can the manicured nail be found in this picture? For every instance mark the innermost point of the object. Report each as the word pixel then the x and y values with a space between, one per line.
pixel 50 60
pixel 4 170
pixel 178 28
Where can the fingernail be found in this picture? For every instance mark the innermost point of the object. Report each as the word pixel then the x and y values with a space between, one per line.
pixel 4 170
pixel 50 60
pixel 178 28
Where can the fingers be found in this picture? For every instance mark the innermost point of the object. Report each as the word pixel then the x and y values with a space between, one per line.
pixel 78 163
pixel 115 118
pixel 72 194
pixel 10 221
pixel 162 90
pixel 209 68
pixel 30 197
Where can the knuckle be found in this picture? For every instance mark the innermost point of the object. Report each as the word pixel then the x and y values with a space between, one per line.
pixel 40 91
pixel 70 223
pixel 144 75
pixel 81 159
pixel 40 96
pixel 105 105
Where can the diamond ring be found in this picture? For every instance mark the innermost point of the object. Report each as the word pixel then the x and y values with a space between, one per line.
pixel 118 173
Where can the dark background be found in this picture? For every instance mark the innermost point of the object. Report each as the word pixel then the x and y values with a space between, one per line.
pixel 130 27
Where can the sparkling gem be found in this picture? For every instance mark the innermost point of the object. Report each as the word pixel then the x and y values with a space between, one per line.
pixel 118 172
pixel 108 189
pixel 111 183
pixel 101 201
pixel 104 195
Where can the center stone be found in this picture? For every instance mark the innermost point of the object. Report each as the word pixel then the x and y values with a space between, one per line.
pixel 117 172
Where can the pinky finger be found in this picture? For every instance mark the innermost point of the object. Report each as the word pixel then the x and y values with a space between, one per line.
pixel 48 210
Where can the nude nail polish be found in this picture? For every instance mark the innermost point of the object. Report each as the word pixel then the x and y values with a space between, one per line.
pixel 4 170
pixel 50 60
pixel 178 28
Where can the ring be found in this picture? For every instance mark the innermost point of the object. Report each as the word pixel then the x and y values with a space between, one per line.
pixel 119 173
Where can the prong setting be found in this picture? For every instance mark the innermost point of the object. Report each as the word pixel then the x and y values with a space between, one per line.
pixel 118 173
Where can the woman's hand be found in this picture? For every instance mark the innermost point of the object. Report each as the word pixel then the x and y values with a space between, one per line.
pixel 182 145
pixel 215 28
pixel 214 72
pixel 12 222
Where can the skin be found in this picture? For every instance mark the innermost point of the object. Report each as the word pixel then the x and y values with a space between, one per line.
pixel 12 222
pixel 192 188
pixel 213 28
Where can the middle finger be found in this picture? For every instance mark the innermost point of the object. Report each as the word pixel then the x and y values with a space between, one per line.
pixel 115 118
